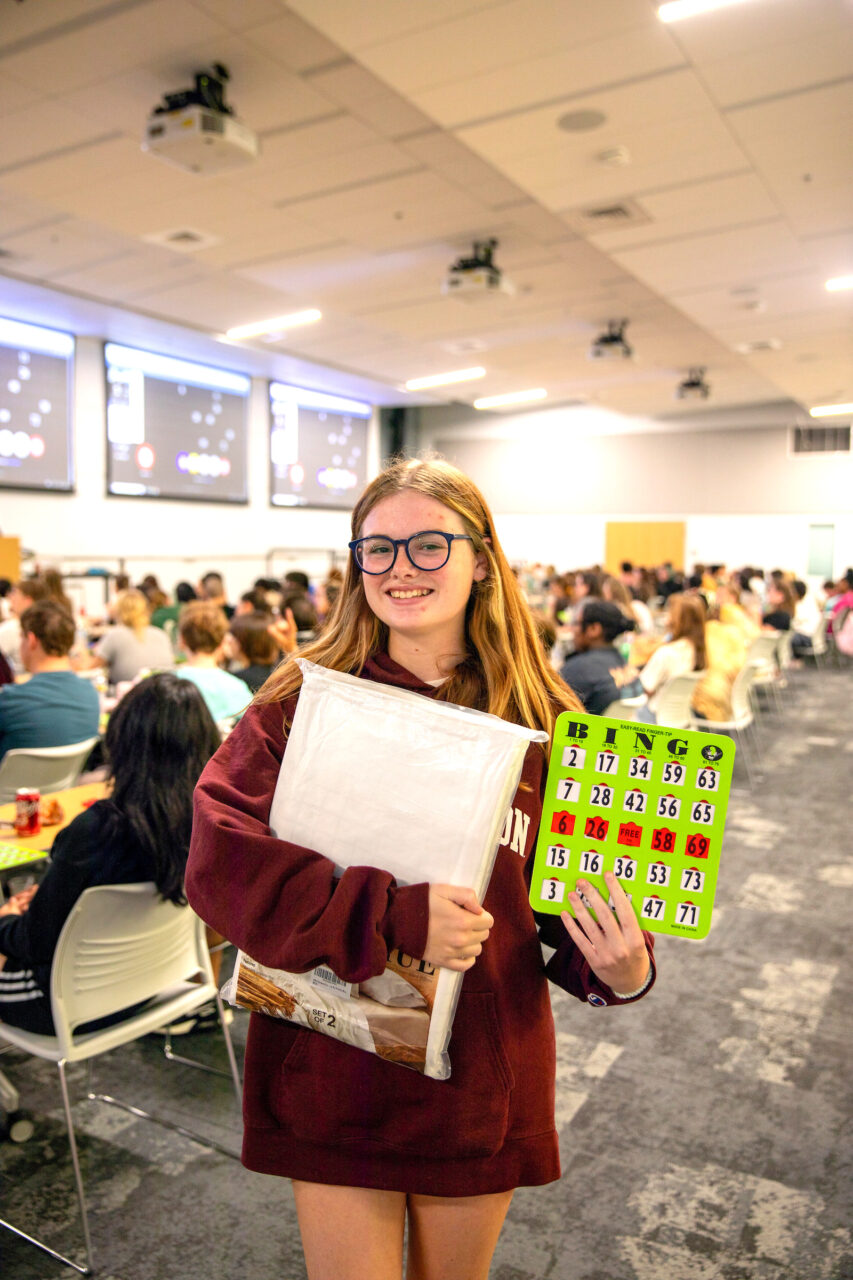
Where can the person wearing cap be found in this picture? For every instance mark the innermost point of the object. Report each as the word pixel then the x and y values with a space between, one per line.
pixel 596 670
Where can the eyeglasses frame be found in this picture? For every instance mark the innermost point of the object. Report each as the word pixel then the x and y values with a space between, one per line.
pixel 404 542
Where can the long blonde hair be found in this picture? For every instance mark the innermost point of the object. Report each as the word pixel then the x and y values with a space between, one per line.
pixel 505 671
pixel 132 610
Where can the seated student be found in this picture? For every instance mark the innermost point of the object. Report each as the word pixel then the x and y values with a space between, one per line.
pixel 21 596
pixel 614 590
pixel 202 630
pixel 212 589
pixel 184 593
pixel 684 651
pixel 595 670
pixel 254 649
pixel 132 645
pixel 843 601
pixel 781 606
pixel 807 618
pixel 158 740
pixel 55 707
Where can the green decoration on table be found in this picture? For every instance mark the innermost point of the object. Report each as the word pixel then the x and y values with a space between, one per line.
pixel 644 801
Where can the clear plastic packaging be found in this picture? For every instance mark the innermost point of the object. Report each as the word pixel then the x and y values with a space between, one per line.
pixel 378 776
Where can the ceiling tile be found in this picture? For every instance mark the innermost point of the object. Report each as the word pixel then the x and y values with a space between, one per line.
pixel 133 36
pixel 565 70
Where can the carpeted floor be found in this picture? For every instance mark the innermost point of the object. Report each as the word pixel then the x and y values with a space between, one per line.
pixel 706 1132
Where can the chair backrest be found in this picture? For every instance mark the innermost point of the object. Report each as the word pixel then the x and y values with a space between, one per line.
pixel 48 768
pixel 120 945
pixel 741 685
pixel 672 702
pixel 763 648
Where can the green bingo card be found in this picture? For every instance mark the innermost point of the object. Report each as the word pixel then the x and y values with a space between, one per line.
pixel 641 800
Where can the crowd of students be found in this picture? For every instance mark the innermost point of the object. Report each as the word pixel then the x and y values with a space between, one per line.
pixel 616 637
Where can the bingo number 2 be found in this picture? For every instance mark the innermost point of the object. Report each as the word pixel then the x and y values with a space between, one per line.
pixel 574 757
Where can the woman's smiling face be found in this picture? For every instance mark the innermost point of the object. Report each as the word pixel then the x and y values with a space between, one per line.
pixel 425 607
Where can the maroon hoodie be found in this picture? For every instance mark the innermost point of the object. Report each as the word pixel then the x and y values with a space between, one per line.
pixel 323 1111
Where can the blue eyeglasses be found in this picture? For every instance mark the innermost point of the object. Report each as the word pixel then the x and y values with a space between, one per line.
pixel 429 550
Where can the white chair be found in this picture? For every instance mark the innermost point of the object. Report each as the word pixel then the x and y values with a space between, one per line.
pixel 673 699
pixel 742 722
pixel 120 946
pixel 763 656
pixel 48 768
pixel 626 708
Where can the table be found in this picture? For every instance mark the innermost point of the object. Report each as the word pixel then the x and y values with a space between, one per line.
pixel 73 802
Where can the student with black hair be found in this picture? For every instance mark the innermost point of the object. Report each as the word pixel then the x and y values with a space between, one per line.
pixel 158 740
pixel 596 671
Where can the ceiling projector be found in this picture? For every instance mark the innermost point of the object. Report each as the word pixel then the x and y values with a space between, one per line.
pixel 477 276
pixel 196 130
pixel 612 344
pixel 694 386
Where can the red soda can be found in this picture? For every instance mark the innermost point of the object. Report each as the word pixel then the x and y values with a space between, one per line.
pixel 27 811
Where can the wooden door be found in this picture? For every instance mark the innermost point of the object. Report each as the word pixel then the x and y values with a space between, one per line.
pixel 644 542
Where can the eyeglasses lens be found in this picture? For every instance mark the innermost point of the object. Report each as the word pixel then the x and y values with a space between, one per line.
pixel 426 551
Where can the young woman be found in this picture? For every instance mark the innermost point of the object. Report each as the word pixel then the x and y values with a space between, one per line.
pixel 429 604
pixel 132 645
pixel 684 652
pixel 158 740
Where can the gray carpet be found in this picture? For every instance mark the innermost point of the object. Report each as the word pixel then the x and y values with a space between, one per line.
pixel 705 1132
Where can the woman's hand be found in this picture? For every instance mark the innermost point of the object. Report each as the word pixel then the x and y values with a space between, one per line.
pixel 613 945
pixel 19 902
pixel 283 631
pixel 458 927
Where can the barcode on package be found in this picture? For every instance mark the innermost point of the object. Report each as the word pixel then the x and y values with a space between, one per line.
pixel 325 979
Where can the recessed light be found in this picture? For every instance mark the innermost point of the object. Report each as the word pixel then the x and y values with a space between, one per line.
pixel 830 410
pixel 837 283
pixel 581 121
pixel 275 325
pixel 444 379
pixel 677 9
pixel 513 397
pixel 760 344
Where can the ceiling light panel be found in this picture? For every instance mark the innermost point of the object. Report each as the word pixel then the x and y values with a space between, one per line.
pixel 512 397
pixel 275 325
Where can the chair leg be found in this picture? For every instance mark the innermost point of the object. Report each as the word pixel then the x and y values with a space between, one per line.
pixel 202 1066
pixel 89 1269
pixel 72 1142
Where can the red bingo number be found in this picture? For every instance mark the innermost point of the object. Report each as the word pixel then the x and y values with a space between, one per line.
pixel 596 828
pixel 563 823
pixel 697 845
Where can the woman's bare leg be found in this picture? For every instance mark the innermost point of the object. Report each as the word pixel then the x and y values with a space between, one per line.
pixel 454 1238
pixel 351 1233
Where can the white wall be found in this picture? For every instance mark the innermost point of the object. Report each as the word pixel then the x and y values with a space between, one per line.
pixel 555 478
pixel 175 540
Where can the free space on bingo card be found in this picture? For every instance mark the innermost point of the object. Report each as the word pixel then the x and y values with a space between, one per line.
pixel 643 801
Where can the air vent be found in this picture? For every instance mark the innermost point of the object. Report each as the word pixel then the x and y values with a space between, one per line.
pixel 591 219
pixel 820 440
